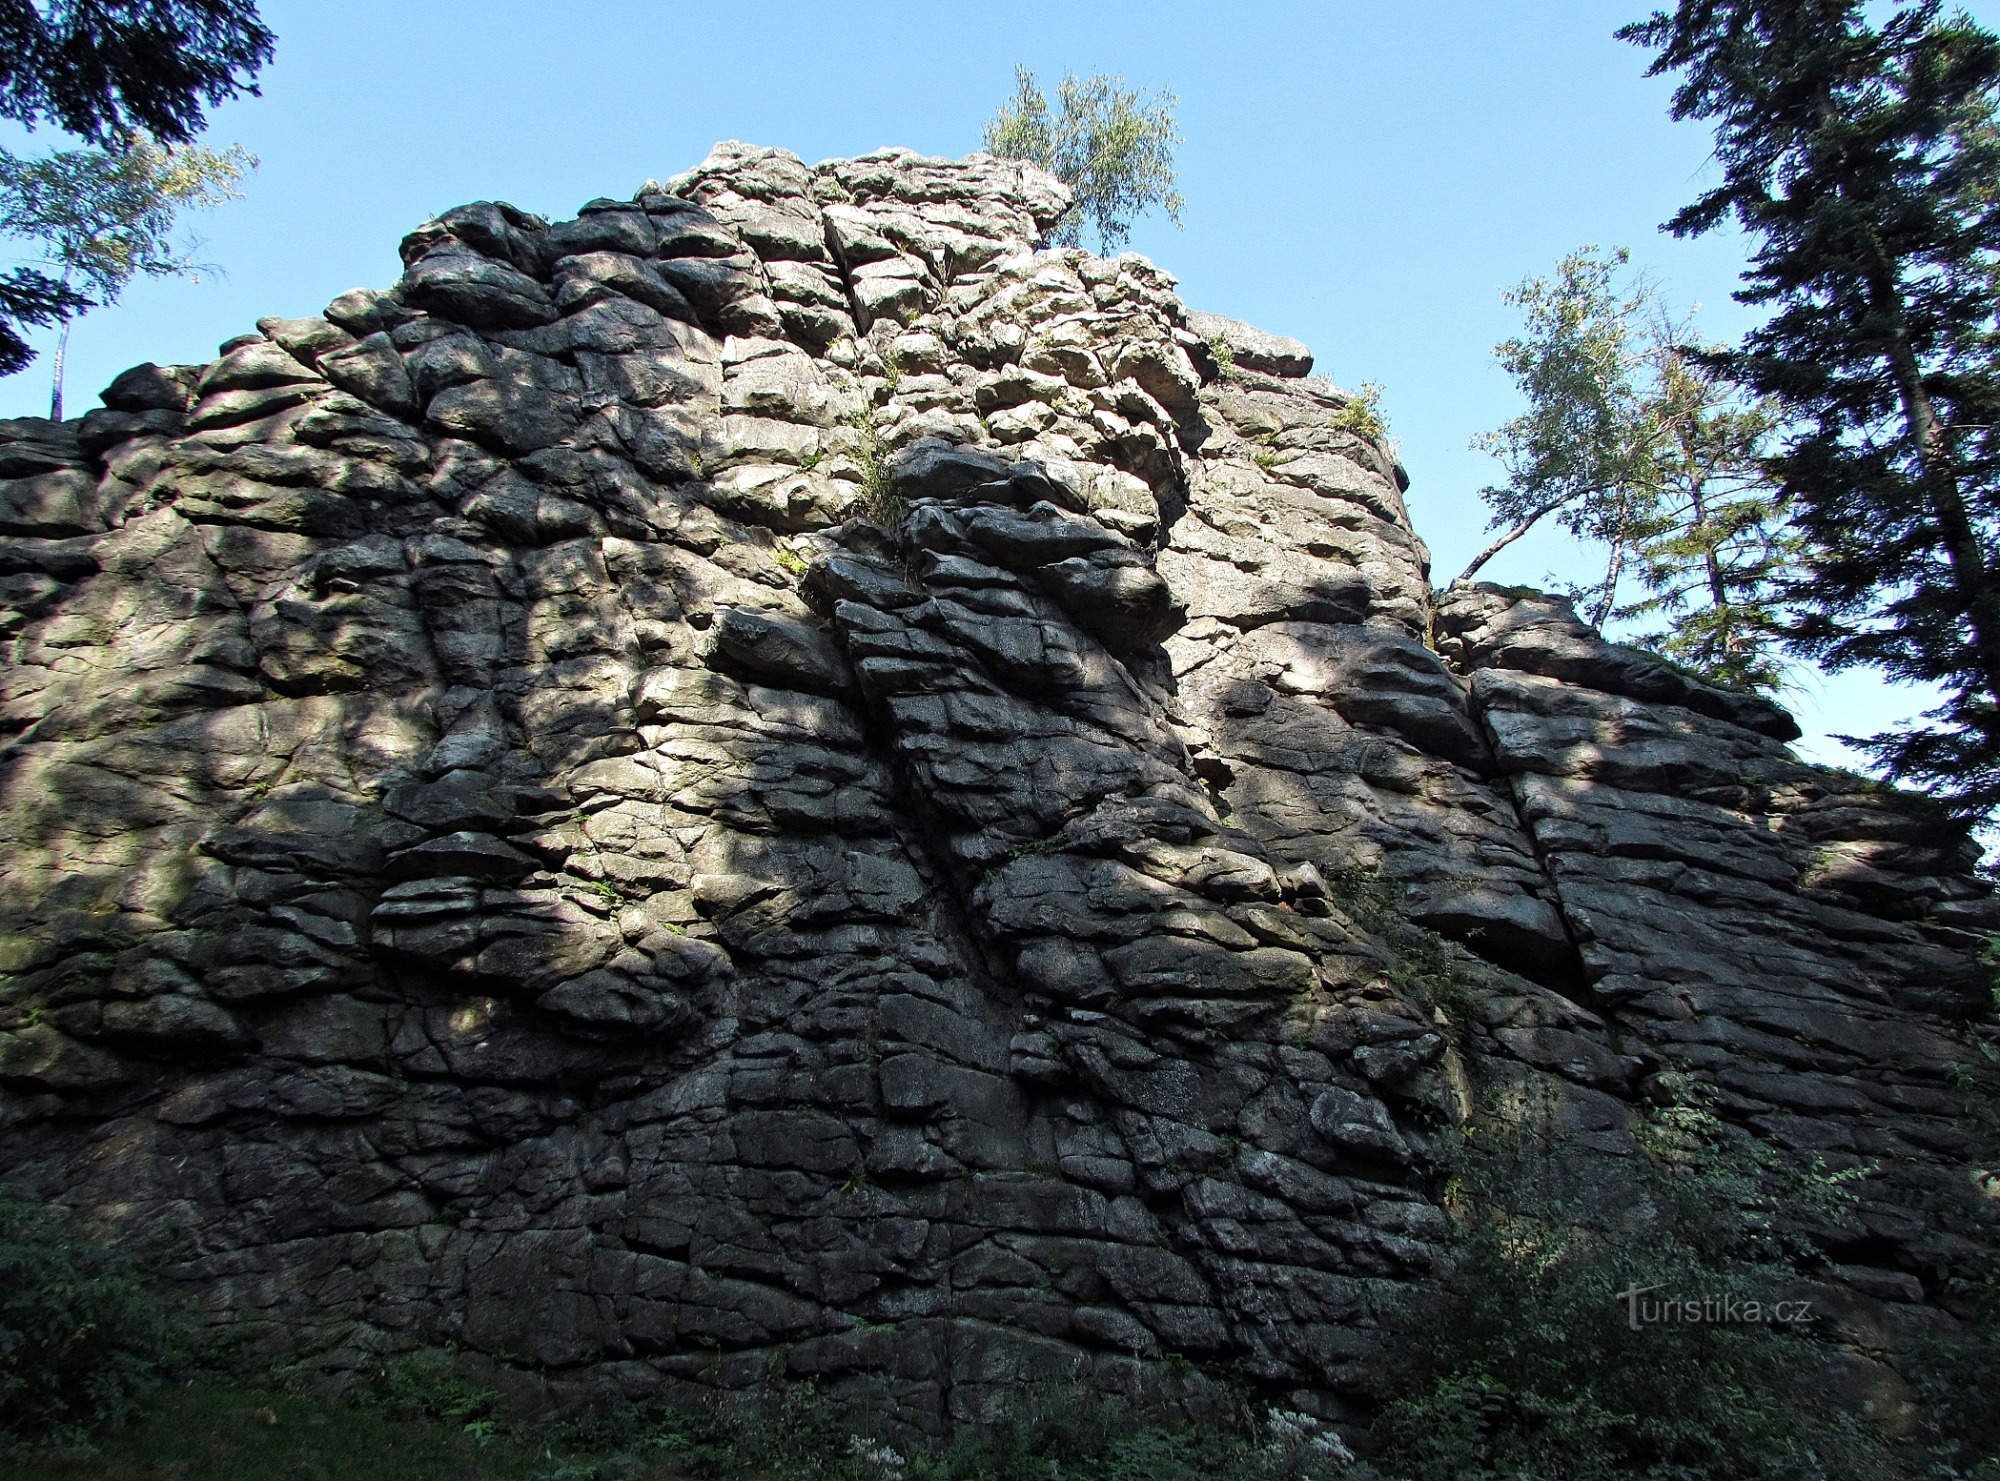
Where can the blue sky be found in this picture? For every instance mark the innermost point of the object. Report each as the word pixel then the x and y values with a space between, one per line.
pixel 1366 177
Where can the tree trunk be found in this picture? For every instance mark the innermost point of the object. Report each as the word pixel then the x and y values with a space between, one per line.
pixel 1971 578
pixel 1613 569
pixel 55 389
pixel 1510 537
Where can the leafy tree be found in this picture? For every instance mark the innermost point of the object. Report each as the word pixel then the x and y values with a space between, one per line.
pixel 1578 452
pixel 1112 147
pixel 107 70
pixel 1630 444
pixel 1530 1357
pixel 106 216
pixel 1861 160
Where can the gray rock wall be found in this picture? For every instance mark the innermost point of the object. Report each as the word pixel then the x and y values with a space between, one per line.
pixel 769 783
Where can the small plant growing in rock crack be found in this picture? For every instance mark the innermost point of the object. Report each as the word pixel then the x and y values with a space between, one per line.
pixel 892 367
pixel 812 460
pixel 1362 415
pixel 1225 355
pixel 1989 959
pixel 790 562
pixel 878 494
pixel 1423 968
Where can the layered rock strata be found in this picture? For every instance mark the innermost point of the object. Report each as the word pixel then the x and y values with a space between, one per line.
pixel 772 783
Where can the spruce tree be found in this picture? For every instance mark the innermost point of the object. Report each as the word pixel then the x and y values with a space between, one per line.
pixel 1860 159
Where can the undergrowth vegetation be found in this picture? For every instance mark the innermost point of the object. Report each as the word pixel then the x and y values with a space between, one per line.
pixel 406 1429
pixel 1657 1329
pixel 83 1336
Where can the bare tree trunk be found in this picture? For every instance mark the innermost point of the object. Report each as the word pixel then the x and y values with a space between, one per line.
pixel 1613 569
pixel 55 389
pixel 1509 538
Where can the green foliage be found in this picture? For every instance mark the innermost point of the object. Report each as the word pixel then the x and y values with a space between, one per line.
pixel 1362 415
pixel 1956 1376
pixel 1525 1362
pixel 433 1383
pixel 31 297
pixel 790 562
pixel 82 1335
pixel 1631 445
pixel 878 494
pixel 107 72
pixel 1859 152
pixel 1716 554
pixel 1111 146
pixel 106 216
pixel 210 1429
pixel 206 1430
pixel 1098 1439
pixel 102 217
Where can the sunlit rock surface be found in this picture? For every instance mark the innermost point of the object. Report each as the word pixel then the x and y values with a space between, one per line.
pixel 772 784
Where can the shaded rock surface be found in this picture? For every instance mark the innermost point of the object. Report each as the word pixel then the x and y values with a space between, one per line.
pixel 773 782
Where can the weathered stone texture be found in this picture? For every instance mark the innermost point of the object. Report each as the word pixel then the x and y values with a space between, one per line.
pixel 771 781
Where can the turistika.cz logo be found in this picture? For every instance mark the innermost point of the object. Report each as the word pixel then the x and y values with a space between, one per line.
pixel 1642 1309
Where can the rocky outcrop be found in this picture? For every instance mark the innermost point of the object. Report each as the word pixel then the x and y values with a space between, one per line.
pixel 771 782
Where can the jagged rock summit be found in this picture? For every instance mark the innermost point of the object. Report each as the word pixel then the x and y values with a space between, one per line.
pixel 773 783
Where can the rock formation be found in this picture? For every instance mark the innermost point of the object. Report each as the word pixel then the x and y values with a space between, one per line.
pixel 770 782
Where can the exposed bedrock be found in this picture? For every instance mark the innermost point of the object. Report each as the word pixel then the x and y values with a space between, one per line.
pixel 772 782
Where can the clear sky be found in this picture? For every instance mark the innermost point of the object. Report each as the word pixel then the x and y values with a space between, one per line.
pixel 1367 177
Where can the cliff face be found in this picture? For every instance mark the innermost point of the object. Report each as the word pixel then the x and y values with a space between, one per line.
pixel 769 782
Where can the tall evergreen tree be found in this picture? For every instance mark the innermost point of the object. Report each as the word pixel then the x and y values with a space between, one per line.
pixel 1861 160
pixel 1718 552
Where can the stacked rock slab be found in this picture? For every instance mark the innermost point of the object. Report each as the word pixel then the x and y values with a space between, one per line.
pixel 773 784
